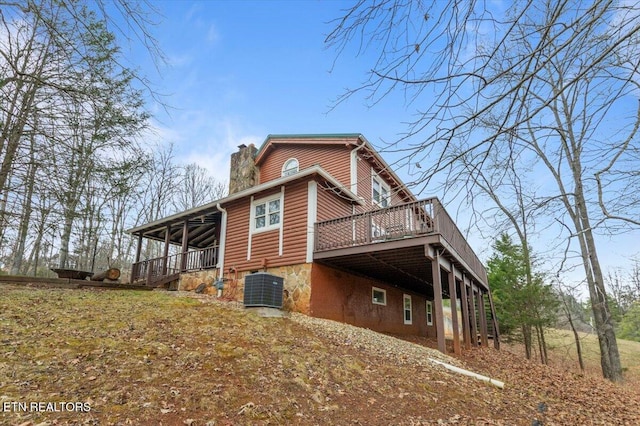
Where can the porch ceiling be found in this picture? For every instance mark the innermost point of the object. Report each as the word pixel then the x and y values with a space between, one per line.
pixel 404 266
pixel 202 230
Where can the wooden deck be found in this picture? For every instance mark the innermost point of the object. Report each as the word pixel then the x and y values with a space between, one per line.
pixel 394 227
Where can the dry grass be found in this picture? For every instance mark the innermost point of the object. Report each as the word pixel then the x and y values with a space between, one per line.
pixel 154 358
pixel 563 354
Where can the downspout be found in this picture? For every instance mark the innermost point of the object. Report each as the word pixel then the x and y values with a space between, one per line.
pixel 354 171
pixel 223 240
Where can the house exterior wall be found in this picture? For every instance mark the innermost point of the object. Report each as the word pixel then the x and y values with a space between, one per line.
pixel 331 206
pixel 333 158
pixel 189 281
pixel 247 251
pixel 297 286
pixel 365 170
pixel 344 297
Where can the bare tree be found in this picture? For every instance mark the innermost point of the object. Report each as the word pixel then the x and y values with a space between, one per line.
pixel 197 188
pixel 548 78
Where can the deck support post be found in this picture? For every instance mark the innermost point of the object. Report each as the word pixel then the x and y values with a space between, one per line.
pixel 466 324
pixel 474 316
pixel 437 301
pixel 453 297
pixel 483 319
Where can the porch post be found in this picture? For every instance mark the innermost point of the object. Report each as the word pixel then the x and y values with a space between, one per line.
pixel 167 237
pixel 139 248
pixel 483 319
pixel 465 312
pixel 453 297
pixel 135 266
pixel 437 301
pixel 472 312
pixel 185 245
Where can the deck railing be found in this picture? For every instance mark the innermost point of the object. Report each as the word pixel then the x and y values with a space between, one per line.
pixel 407 220
pixel 192 260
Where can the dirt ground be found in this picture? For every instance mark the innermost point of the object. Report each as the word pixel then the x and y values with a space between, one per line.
pixel 100 357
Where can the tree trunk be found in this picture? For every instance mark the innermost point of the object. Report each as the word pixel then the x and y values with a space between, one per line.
pixel 609 354
pixel 526 336
pixel 110 274
pixel 576 338
pixel 25 220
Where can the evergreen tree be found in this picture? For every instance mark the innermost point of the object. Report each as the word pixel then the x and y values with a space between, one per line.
pixel 523 306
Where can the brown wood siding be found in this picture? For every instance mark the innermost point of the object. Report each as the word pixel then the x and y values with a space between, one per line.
pixel 333 158
pixel 295 225
pixel 365 186
pixel 235 254
pixel 265 245
pixel 331 205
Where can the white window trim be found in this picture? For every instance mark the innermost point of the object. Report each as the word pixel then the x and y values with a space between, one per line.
pixel 266 200
pixel 383 291
pixel 429 312
pixel 291 171
pixel 383 186
pixel 406 297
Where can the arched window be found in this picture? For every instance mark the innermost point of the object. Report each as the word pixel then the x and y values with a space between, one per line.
pixel 290 167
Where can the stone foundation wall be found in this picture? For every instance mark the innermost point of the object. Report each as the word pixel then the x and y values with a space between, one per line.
pixel 297 285
pixel 189 281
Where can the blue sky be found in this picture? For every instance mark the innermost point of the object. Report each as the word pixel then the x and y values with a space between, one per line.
pixel 240 70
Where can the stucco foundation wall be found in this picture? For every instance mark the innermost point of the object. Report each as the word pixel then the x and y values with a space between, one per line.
pixel 340 296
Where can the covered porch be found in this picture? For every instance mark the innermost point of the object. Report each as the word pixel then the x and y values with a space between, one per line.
pixel 195 234
pixel 417 247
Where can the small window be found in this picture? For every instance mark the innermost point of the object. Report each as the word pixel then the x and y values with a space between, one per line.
pixel 266 214
pixel 378 296
pixel 429 312
pixel 380 191
pixel 290 167
pixel 407 309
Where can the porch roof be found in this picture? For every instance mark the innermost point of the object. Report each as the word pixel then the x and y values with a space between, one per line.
pixel 202 221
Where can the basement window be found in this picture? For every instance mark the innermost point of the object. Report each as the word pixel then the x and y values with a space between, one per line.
pixel 406 301
pixel 378 296
pixel 429 312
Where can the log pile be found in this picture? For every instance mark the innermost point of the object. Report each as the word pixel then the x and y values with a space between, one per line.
pixel 111 274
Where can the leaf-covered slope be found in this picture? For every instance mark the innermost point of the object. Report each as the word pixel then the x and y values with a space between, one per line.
pixel 154 358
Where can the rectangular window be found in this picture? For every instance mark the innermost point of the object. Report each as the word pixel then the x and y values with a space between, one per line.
pixel 266 214
pixel 380 191
pixel 429 312
pixel 378 296
pixel 407 309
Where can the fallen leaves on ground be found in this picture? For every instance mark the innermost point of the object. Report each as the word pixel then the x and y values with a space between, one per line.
pixel 165 359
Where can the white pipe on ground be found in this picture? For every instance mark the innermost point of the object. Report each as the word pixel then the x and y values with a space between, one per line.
pixel 494 382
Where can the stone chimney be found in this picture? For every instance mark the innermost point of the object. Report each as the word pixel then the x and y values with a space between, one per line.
pixel 243 172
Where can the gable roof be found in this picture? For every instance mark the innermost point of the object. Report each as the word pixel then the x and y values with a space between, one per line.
pixel 354 140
